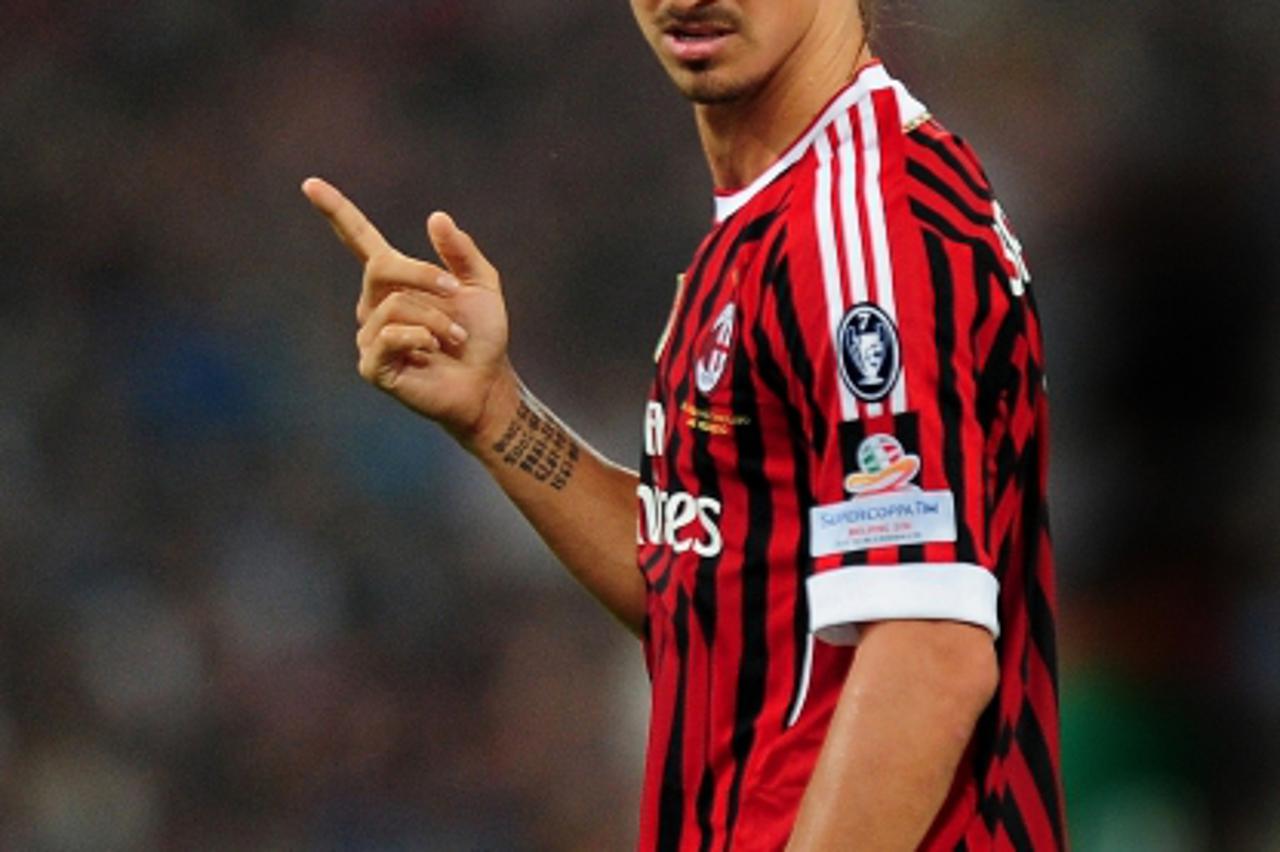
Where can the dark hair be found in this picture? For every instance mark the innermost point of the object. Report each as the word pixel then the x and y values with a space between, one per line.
pixel 868 9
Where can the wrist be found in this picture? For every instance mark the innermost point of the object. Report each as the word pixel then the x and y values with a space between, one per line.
pixel 496 412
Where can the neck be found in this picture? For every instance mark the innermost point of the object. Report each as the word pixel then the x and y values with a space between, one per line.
pixel 742 139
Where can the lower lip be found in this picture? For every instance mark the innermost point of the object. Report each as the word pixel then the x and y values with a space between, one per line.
pixel 693 50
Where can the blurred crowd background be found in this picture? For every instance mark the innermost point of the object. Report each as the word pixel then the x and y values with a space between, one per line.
pixel 248 603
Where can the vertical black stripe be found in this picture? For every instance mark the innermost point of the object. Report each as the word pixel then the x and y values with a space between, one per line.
pixel 798 355
pixel 1007 462
pixel 984 755
pixel 753 231
pixel 707 479
pixel 753 666
pixel 1041 620
pixel 1035 751
pixel 704 590
pixel 982 283
pixel 949 403
pixel 1011 819
pixel 704 469
pixel 906 428
pixel 671 797
pixel 774 377
pixel 693 294
pixel 704 582
pixel 692 285
pixel 775 380
pixel 995 378
pixel 1039 613
pixel 706 799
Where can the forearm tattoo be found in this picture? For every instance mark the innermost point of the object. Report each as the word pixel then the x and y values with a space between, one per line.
pixel 538 445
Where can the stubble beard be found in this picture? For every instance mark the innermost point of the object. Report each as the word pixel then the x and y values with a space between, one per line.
pixel 704 89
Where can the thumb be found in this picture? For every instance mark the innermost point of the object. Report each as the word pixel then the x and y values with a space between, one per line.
pixel 459 252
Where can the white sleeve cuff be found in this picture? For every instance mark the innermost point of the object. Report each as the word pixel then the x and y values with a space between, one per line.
pixel 841 599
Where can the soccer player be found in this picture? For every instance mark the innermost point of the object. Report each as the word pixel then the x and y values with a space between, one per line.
pixel 836 547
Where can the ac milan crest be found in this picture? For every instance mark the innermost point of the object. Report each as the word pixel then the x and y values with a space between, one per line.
pixel 714 350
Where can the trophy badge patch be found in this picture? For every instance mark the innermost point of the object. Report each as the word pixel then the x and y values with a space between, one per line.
pixel 870 352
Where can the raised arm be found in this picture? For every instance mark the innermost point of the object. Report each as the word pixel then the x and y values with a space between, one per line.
pixel 435 338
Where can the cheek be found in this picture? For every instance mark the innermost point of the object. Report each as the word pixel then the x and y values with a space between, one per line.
pixel 773 33
pixel 642 11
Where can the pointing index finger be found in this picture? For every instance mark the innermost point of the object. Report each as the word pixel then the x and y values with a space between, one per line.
pixel 352 227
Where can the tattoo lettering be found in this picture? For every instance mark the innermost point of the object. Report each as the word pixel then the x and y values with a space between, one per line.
pixel 538 445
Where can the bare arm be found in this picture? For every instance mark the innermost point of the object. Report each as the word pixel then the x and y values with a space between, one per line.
pixel 904 718
pixel 435 338
pixel 582 505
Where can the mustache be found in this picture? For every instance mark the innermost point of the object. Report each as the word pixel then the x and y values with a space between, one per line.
pixel 715 16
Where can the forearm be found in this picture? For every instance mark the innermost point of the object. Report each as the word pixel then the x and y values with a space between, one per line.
pixel 901 726
pixel 581 504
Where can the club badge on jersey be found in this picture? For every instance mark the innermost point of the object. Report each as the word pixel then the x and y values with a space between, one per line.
pixel 870 352
pixel 714 350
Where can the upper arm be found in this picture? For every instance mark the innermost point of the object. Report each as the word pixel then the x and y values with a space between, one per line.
pixel 894 320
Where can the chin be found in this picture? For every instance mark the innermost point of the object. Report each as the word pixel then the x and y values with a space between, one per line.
pixel 708 89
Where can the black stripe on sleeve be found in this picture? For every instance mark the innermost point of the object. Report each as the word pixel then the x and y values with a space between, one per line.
pixel 994 380
pixel 940 223
pixel 1007 464
pixel 906 428
pixel 950 405
pixel 920 172
pixel 1041 618
pixel 976 185
pixel 1035 751
pixel 984 754
pixel 962 146
pixel 1011 821
pixel 1039 613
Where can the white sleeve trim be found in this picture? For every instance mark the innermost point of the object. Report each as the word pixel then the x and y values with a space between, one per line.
pixel 841 599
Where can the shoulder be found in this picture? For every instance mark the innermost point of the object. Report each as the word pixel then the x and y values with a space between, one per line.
pixel 885 179
pixel 945 185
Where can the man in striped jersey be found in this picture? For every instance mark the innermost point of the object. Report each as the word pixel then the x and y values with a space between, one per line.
pixel 844 584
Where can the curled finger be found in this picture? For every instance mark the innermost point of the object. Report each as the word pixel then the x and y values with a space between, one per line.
pixel 394 348
pixel 392 272
pixel 411 308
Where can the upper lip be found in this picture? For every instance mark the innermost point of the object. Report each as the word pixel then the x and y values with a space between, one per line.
pixel 697 28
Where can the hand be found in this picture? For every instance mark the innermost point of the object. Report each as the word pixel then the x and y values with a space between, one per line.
pixel 435 339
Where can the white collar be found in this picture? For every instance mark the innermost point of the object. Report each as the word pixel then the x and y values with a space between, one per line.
pixel 870 79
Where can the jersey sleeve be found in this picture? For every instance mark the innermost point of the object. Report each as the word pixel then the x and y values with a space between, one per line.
pixel 883 320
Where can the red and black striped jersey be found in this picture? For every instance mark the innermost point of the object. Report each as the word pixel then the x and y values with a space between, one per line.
pixel 847 424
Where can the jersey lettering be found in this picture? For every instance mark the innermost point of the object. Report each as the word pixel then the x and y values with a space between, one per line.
pixel 680 521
